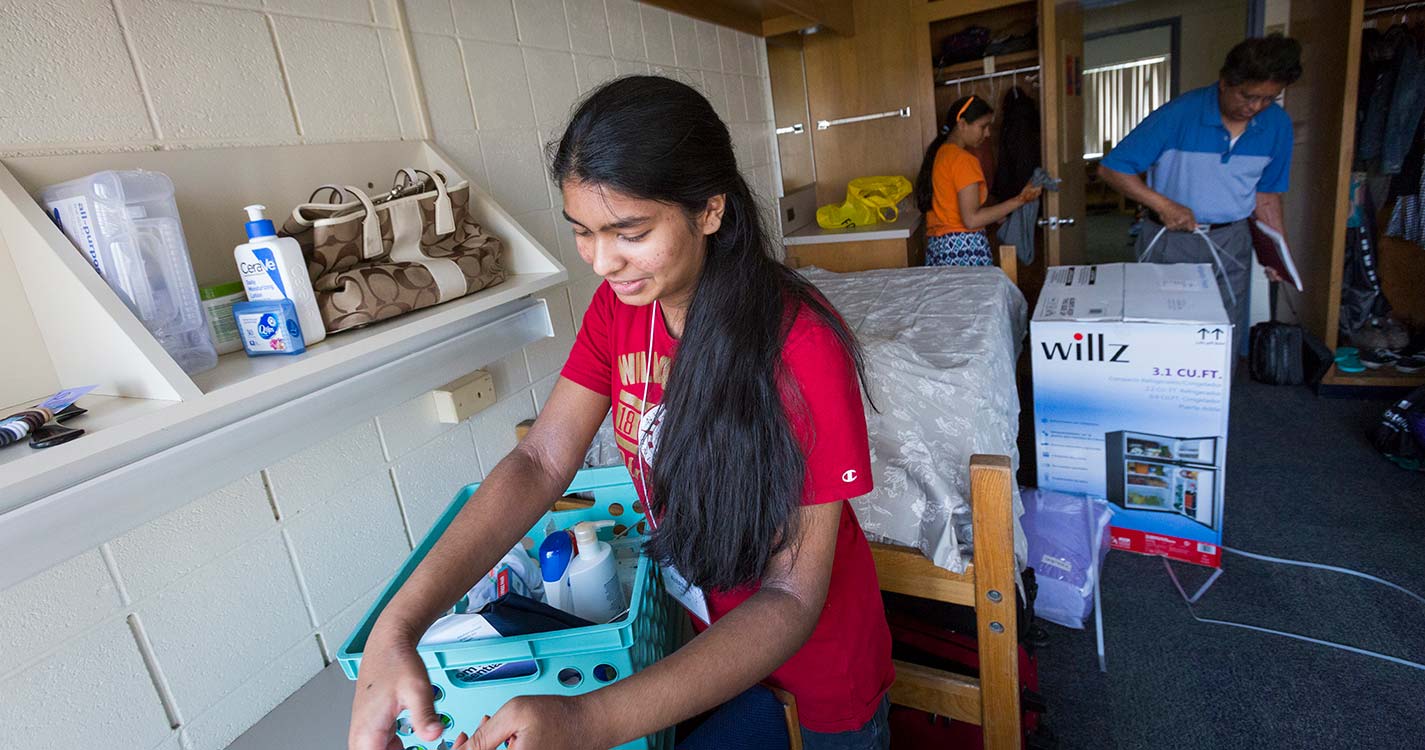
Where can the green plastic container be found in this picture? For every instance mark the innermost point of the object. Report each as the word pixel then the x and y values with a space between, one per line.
pixel 567 662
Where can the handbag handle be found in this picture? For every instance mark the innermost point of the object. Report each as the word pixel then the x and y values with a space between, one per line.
pixel 371 246
pixel 444 212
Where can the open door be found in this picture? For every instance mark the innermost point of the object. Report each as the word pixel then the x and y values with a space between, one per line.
pixel 1061 59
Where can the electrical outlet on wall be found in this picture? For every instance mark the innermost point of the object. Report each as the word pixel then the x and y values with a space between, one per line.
pixel 458 401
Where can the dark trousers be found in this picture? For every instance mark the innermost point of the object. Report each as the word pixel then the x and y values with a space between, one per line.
pixel 755 720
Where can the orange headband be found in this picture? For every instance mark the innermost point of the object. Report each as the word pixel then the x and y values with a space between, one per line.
pixel 964 107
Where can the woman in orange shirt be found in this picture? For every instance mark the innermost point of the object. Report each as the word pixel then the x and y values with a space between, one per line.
pixel 951 189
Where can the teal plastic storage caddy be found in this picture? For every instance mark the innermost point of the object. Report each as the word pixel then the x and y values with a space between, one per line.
pixel 565 662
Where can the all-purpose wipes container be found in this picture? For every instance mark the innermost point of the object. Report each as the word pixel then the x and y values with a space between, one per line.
pixel 126 224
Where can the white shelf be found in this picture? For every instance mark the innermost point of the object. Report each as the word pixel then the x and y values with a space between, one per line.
pixel 160 455
pixel 249 375
pixel 157 438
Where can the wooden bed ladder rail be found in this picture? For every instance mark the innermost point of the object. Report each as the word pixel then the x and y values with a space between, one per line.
pixel 992 701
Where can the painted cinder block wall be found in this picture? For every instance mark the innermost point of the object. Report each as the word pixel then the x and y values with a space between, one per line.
pixel 180 634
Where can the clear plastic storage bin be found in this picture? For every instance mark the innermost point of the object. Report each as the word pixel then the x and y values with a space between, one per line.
pixel 126 224
pixel 564 662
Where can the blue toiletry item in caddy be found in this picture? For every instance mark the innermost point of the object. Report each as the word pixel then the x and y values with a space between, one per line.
pixel 554 556
pixel 269 327
pixel 464 676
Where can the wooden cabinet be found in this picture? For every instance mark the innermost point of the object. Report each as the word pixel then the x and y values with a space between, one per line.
pixel 875 71
pixel 789 112
pixel 845 257
pixel 1322 106
pixel 768 17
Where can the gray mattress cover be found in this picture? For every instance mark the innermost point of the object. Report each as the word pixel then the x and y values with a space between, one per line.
pixel 940 345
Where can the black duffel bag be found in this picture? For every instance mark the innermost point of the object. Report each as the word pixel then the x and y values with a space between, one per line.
pixel 1276 354
pixel 1285 354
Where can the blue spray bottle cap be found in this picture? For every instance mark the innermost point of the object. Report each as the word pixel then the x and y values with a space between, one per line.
pixel 257 224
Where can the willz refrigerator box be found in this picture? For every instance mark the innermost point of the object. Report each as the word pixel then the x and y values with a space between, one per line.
pixel 1132 364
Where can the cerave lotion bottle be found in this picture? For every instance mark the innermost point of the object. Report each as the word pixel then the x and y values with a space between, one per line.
pixel 273 268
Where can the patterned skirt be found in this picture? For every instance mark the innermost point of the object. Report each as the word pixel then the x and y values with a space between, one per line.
pixel 958 249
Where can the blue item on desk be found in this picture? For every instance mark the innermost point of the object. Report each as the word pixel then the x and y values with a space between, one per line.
pixel 269 327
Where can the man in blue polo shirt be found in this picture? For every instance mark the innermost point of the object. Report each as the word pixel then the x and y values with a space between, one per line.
pixel 1214 157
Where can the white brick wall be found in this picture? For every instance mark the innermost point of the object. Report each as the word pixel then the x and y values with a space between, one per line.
pixel 180 634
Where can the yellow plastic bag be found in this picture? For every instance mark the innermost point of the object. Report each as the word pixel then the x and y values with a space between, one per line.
pixel 868 200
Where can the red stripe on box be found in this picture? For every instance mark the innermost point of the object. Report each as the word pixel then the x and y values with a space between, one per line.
pixel 1171 547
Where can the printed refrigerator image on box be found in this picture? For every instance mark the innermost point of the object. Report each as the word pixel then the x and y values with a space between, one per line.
pixel 1163 474
pixel 1131 367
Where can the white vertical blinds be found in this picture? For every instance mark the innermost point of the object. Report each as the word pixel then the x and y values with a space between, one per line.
pixel 1118 97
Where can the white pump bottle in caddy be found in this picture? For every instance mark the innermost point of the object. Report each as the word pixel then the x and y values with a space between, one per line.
pixel 593 575
pixel 273 268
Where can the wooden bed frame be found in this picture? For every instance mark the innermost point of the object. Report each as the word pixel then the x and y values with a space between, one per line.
pixel 988 585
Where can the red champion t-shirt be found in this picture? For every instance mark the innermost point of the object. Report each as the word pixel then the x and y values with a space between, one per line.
pixel 843 670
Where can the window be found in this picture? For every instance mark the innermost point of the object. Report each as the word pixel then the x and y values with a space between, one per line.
pixel 1118 97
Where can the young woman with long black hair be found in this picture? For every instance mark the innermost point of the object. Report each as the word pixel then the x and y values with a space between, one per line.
pixel 738 410
pixel 951 189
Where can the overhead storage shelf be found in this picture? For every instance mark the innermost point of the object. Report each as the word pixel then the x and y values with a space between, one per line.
pixel 157 437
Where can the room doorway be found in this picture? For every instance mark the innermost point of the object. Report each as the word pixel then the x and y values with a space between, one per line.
pixel 1138 55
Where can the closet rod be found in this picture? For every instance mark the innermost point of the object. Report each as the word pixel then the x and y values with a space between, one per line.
pixel 1393 9
pixel 824 124
pixel 967 79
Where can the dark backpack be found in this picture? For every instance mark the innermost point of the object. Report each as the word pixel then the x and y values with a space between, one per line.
pixel 1400 433
pixel 963 46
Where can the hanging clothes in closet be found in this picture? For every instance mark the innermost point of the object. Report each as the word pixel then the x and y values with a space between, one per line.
pixel 1391 98
pixel 1407 220
pixel 1389 112
pixel 1018 144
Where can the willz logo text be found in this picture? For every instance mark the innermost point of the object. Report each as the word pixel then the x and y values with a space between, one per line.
pixel 1090 348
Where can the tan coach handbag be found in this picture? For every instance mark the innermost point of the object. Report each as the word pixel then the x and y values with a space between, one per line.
pixel 414 247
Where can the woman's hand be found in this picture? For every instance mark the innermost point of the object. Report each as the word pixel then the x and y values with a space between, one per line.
pixel 1030 193
pixel 537 722
pixel 392 678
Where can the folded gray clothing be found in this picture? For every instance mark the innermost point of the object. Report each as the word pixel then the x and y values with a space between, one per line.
pixel 1018 229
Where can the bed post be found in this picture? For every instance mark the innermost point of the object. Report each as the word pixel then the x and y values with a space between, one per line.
pixel 996 606
pixel 1008 262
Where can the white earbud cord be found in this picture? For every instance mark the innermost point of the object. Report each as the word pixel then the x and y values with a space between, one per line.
pixel 642 411
pixel 1187 600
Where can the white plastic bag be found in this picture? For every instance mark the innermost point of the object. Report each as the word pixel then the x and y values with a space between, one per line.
pixel 1068 540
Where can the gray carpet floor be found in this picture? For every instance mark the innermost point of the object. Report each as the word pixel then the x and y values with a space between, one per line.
pixel 1302 483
